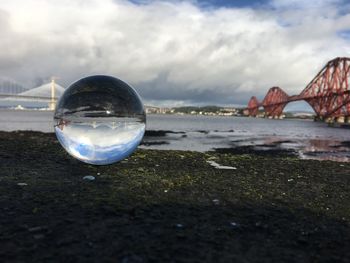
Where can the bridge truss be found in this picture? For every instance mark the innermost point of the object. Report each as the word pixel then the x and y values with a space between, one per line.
pixel 328 94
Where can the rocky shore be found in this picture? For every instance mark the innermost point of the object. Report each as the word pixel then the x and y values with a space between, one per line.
pixel 169 206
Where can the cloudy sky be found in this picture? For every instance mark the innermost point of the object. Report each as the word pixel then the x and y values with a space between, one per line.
pixel 175 52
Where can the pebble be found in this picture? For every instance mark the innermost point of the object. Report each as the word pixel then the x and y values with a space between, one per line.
pixel 218 166
pixel 234 224
pixel 22 184
pixel 216 201
pixel 36 229
pixel 179 225
pixel 39 236
pixel 89 177
pixel 132 259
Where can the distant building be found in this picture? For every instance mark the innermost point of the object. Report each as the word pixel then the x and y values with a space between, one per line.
pixel 158 110
pixel 234 110
pixel 151 110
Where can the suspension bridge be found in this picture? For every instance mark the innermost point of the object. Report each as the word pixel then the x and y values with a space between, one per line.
pixel 52 100
pixel 328 94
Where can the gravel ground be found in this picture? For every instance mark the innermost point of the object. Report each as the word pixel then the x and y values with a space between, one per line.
pixel 169 206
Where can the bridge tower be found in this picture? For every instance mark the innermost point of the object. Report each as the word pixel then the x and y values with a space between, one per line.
pixel 274 102
pixel 253 106
pixel 52 103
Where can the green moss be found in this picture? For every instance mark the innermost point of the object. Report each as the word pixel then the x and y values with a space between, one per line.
pixel 133 207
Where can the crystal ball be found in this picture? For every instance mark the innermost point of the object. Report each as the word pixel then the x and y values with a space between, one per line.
pixel 100 120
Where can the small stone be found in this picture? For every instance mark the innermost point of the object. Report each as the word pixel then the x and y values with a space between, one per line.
pixel 218 166
pixel 261 225
pixel 98 174
pixel 39 236
pixel 216 201
pixel 290 180
pixel 22 184
pixel 132 259
pixel 234 224
pixel 89 177
pixel 179 225
pixel 37 228
pixel 165 191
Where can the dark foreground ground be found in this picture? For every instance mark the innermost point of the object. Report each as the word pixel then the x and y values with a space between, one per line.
pixel 169 206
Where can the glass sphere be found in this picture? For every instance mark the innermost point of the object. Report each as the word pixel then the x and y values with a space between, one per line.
pixel 100 120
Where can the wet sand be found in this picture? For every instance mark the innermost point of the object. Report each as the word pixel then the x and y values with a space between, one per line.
pixel 226 142
pixel 170 206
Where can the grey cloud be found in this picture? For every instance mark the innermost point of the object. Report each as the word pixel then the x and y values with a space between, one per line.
pixel 172 51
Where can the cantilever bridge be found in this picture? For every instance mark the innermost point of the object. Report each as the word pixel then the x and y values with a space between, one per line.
pixel 328 94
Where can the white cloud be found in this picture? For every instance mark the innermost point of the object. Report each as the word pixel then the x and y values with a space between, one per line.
pixel 173 51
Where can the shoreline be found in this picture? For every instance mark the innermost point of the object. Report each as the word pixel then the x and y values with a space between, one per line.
pixel 161 206
pixel 309 149
pixel 316 149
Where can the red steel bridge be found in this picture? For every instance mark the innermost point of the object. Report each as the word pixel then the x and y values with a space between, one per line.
pixel 328 94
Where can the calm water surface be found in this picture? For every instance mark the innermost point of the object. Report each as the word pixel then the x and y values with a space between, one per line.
pixel 202 133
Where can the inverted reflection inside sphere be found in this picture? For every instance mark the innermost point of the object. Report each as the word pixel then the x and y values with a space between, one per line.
pixel 100 120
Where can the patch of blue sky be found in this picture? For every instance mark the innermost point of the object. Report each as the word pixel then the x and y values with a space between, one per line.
pixel 345 34
pixel 284 23
pixel 234 3
pixel 344 8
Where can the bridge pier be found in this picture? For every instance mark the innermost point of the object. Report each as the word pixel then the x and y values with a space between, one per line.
pixel 329 120
pixel 340 119
pixel 318 118
pixel 52 105
pixel 276 117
